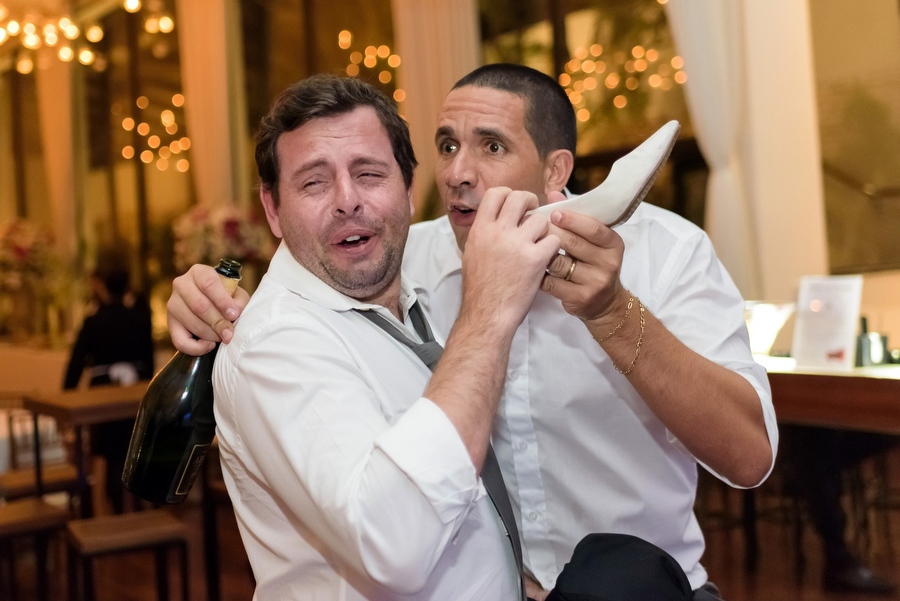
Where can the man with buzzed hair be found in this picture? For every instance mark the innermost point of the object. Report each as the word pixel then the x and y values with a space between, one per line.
pixel 631 370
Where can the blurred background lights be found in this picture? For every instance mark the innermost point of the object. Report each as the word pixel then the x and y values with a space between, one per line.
pixel 166 24
pixel 177 100
pixel 31 40
pixel 345 38
pixel 24 65
pixel 132 6
pixel 85 56
pixel 94 33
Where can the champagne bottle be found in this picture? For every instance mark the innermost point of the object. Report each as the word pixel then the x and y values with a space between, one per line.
pixel 175 424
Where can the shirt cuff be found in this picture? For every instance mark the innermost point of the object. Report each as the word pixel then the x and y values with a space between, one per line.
pixel 425 445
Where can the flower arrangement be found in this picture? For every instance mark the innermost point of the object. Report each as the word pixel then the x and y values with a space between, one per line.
pixel 204 235
pixel 26 254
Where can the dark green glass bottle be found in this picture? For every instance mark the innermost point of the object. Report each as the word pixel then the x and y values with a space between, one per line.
pixel 175 424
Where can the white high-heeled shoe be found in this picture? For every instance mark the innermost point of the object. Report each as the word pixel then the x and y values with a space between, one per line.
pixel 629 180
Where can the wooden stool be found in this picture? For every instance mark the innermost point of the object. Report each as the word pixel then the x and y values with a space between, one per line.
pixel 18 483
pixel 156 530
pixel 30 517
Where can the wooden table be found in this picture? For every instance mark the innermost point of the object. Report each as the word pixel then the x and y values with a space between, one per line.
pixel 80 409
pixel 866 399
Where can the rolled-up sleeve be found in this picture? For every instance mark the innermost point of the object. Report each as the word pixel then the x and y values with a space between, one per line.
pixel 699 303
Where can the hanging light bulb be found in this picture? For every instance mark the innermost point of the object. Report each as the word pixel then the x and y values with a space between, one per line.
pixel 132 6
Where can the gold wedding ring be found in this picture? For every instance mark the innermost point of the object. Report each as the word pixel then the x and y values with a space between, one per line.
pixel 571 270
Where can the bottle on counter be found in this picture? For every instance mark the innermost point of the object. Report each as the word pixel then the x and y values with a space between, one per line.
pixel 175 424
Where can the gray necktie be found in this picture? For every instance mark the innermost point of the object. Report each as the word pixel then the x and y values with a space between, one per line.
pixel 429 352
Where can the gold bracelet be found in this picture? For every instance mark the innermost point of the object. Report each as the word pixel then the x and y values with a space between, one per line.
pixel 637 349
pixel 624 317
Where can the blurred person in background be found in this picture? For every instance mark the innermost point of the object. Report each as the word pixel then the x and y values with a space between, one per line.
pixel 113 347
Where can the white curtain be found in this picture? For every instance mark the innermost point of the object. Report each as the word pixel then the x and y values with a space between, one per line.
pixel 438 42
pixel 208 83
pixel 53 79
pixel 708 35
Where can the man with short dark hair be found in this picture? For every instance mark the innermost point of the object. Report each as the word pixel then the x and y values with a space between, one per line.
pixel 631 370
pixel 348 481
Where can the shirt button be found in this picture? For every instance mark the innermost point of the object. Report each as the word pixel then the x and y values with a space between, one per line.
pixel 523 446
pixel 514 375
pixel 532 516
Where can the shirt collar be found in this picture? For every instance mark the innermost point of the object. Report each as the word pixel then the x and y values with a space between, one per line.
pixel 445 251
pixel 288 272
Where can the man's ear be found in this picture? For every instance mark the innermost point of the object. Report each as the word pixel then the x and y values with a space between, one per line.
pixel 268 203
pixel 558 168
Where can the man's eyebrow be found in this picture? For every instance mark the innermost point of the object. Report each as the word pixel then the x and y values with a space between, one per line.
pixel 444 131
pixel 364 161
pixel 307 166
pixel 491 132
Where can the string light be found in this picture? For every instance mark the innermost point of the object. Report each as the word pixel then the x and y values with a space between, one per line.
pixel 38 29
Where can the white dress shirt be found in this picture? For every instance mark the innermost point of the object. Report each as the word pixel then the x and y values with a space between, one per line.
pixel 347 484
pixel 579 450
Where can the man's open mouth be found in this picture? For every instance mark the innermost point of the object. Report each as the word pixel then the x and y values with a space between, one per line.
pixel 354 240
